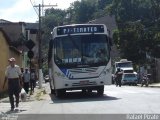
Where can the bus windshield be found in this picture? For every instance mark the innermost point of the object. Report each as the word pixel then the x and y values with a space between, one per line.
pixel 124 64
pixel 91 50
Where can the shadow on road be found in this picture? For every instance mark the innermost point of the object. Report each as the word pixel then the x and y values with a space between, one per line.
pixel 15 111
pixel 81 97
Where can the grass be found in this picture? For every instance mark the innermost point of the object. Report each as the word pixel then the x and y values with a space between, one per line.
pixel 40 94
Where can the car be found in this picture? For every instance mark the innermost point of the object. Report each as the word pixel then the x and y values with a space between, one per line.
pixel 46 78
pixel 129 78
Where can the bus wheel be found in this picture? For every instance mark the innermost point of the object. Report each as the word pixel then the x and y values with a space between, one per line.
pixel 100 90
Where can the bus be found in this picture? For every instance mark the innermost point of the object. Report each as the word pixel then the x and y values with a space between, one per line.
pixel 79 58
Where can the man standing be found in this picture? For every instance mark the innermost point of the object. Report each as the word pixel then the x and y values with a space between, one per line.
pixel 118 78
pixel 33 80
pixel 13 75
pixel 26 80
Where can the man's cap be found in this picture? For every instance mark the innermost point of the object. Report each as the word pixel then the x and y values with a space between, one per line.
pixel 12 59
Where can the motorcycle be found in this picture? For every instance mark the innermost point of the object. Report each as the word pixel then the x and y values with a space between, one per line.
pixel 145 81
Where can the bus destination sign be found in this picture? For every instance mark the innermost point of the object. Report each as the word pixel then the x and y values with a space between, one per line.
pixel 80 29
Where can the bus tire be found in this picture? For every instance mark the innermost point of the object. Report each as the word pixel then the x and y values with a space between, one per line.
pixel 100 90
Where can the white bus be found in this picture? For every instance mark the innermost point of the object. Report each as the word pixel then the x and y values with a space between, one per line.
pixel 79 58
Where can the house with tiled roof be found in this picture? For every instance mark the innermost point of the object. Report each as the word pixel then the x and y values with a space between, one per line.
pixel 19 33
pixel 7 50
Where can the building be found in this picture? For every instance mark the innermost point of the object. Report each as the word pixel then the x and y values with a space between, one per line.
pixel 17 34
pixel 7 51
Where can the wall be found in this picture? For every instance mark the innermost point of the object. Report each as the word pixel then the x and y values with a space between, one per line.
pixel 5 53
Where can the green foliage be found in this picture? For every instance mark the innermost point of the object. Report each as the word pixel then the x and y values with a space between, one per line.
pixel 138 27
pixel 138 23
pixel 79 12
pixel 82 12
pixel 102 3
pixel 53 17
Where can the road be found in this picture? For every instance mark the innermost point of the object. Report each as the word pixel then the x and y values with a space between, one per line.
pixel 116 100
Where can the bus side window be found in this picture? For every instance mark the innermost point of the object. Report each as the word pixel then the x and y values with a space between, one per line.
pixel 50 50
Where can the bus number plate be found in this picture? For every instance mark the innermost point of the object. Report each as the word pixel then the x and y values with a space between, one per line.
pixel 84 82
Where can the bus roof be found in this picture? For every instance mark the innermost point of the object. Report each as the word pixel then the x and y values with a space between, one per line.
pixel 123 61
pixel 72 25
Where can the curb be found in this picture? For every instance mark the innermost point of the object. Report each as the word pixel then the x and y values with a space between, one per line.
pixel 150 85
pixel 154 86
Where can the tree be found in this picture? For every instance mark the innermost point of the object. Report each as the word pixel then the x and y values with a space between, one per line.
pixel 138 23
pixel 53 17
pixel 82 12
pixel 103 3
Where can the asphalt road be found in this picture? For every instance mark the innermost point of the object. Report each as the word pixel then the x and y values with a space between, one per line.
pixel 116 103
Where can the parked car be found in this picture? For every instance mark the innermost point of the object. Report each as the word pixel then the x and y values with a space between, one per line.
pixel 129 78
pixel 46 78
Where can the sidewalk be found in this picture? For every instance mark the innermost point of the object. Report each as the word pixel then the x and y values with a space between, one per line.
pixel 23 106
pixel 29 97
pixel 153 85
pixel 156 85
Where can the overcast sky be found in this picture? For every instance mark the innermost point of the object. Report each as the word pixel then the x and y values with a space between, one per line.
pixel 22 10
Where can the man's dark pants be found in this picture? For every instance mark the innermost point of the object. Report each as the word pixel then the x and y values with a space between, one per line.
pixel 13 89
pixel 26 87
pixel 32 84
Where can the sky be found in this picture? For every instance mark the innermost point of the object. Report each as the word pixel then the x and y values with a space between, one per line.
pixel 23 11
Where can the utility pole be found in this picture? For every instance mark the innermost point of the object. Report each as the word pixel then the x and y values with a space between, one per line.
pixel 40 40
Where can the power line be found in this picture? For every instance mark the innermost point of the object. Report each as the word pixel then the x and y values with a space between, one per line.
pixel 33 7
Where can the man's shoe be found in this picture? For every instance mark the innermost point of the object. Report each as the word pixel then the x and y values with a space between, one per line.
pixel 12 109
